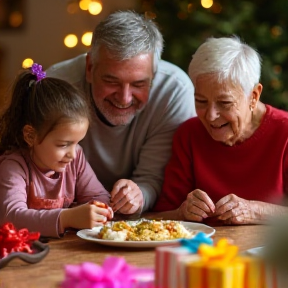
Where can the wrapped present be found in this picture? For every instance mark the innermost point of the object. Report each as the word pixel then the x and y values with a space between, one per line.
pixel 262 273
pixel 114 272
pixel 218 267
pixel 167 269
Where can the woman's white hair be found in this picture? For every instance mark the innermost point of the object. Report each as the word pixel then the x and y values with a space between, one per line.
pixel 231 59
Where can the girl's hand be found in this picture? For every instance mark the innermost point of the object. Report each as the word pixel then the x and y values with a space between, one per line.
pixel 84 216
pixel 103 205
pixel 196 207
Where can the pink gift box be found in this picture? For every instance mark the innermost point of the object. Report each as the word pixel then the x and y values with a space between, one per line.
pixel 167 269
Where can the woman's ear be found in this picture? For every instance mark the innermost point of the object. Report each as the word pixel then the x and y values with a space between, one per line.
pixel 257 90
pixel 29 135
pixel 255 96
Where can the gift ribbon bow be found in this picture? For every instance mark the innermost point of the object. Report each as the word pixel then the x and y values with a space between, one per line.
pixel 194 243
pixel 12 240
pixel 222 252
pixel 114 273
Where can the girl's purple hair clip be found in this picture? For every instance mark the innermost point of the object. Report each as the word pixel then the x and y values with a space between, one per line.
pixel 37 70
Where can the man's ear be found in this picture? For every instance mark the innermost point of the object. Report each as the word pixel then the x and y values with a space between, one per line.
pixel 29 135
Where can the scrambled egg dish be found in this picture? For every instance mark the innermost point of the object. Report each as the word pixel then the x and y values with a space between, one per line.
pixel 144 230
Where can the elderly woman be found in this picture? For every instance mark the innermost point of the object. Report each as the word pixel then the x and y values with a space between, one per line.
pixel 230 162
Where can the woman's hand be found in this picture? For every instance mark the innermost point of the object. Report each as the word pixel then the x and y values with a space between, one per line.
pixel 232 209
pixel 196 207
pixel 126 197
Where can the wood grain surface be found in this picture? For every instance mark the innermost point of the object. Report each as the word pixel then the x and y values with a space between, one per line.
pixel 72 250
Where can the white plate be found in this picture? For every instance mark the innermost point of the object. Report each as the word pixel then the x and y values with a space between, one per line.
pixel 91 235
pixel 257 251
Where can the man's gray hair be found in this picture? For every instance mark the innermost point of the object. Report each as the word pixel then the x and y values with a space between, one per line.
pixel 126 34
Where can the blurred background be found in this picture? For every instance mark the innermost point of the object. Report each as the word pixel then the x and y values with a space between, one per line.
pixel 49 31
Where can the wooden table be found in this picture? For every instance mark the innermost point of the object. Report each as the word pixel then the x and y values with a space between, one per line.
pixel 73 250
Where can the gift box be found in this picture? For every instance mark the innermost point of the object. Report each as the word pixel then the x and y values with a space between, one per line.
pixel 194 264
pixel 217 267
pixel 215 275
pixel 221 266
pixel 168 273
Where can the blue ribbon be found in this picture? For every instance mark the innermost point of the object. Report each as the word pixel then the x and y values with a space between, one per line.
pixel 193 244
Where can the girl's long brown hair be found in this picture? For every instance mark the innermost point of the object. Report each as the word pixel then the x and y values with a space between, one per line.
pixel 42 104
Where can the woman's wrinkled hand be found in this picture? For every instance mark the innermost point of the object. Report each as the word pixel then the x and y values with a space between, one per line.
pixel 232 209
pixel 126 197
pixel 196 207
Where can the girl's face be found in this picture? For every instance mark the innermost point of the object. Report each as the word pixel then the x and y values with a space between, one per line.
pixel 223 109
pixel 58 148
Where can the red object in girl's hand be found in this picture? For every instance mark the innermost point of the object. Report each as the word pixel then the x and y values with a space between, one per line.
pixel 98 204
pixel 12 240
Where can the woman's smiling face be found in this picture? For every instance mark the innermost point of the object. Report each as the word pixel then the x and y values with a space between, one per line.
pixel 223 109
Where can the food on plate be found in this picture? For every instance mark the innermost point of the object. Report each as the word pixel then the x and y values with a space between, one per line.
pixel 144 230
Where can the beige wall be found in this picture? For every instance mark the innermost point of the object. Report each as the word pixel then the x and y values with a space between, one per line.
pixel 46 24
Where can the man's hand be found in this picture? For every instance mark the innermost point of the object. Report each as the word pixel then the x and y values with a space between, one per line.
pixel 126 197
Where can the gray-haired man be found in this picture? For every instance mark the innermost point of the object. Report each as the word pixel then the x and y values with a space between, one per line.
pixel 139 100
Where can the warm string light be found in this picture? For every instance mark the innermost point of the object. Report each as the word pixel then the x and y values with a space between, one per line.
pixel 28 62
pixel 87 38
pixel 185 10
pixel 206 3
pixel 70 40
pixel 11 14
pixel 15 19
pixel 94 7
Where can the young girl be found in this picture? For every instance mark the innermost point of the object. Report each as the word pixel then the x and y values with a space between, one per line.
pixel 43 169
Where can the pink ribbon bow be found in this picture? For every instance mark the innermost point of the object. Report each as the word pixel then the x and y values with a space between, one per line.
pixel 114 273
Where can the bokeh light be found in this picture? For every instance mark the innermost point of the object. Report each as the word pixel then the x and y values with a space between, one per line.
pixel 277 69
pixel 206 3
pixel 70 40
pixel 276 31
pixel 216 8
pixel 86 38
pixel 15 19
pixel 84 4
pixel 95 7
pixel 190 7
pixel 27 63
pixel 72 8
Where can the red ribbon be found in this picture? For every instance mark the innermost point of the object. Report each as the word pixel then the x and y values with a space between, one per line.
pixel 12 240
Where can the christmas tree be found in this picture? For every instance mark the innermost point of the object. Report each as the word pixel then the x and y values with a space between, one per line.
pixel 260 23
